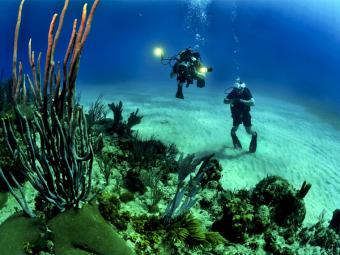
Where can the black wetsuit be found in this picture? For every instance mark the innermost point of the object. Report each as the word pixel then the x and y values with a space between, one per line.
pixel 239 111
pixel 183 71
pixel 185 66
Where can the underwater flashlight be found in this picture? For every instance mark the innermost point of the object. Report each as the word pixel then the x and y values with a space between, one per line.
pixel 158 52
pixel 203 69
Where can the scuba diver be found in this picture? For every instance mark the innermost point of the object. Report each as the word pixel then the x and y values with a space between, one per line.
pixel 240 100
pixel 188 68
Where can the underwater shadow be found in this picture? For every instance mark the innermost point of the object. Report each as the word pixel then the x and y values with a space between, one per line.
pixel 222 153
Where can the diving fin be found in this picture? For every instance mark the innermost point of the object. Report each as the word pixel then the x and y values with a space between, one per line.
pixel 179 93
pixel 236 142
pixel 253 143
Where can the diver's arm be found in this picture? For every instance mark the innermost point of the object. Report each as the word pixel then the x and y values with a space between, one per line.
pixel 228 101
pixel 174 69
pixel 250 102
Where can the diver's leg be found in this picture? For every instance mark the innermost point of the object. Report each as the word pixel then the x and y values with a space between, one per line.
pixel 234 130
pixel 250 131
pixel 200 83
pixel 179 93
pixel 253 142
pixel 236 142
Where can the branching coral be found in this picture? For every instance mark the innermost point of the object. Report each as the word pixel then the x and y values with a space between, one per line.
pixel 53 150
pixel 117 110
pixel 119 126
pixel 105 163
pixel 319 235
pixel 185 194
pixel 151 178
pixel 146 152
pixel 133 119
pixel 97 112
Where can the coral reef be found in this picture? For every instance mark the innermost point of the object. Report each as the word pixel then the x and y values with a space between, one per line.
pixel 188 229
pixel 146 197
pixel 3 199
pixel 251 221
pixel 335 222
pixel 273 210
pixel 16 231
pixel 286 203
pixel 184 197
pixel 84 231
pixel 321 236
pixel 53 150
pixel 127 197
pixel 119 126
pixel 5 95
pixel 9 167
pixel 97 112
pixel 237 222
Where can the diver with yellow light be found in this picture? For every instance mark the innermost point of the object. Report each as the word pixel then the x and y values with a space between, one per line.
pixel 187 68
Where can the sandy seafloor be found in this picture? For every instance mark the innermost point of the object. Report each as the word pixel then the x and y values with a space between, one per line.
pixel 292 141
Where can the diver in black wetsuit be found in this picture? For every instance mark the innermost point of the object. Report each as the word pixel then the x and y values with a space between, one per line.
pixel 188 67
pixel 240 100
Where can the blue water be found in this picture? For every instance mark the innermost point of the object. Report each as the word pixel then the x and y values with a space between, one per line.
pixel 294 44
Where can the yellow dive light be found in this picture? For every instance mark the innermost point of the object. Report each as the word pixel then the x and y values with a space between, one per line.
pixel 203 69
pixel 158 52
